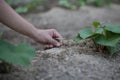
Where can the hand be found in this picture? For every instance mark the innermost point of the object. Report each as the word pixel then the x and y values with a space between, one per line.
pixel 47 37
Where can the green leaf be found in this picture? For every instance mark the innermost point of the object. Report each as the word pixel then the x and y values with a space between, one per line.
pixel 99 3
pixel 81 2
pixel 78 38
pixel 85 33
pixel 10 1
pixel 32 5
pixel 20 54
pixel 96 24
pixel 108 41
pixel 108 3
pixel 113 28
pixel 90 1
pixel 99 30
pixel 21 9
pixel 65 3
pixel 115 49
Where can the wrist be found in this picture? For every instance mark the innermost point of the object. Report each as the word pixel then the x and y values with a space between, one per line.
pixel 34 33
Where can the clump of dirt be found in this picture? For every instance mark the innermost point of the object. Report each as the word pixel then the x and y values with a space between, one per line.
pixel 71 61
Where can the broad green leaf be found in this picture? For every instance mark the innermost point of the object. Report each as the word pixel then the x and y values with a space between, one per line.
pixel 85 33
pixel 20 54
pixel 108 34
pixel 96 24
pixel 113 28
pixel 99 30
pixel 78 38
pixel 108 41
pixel 115 49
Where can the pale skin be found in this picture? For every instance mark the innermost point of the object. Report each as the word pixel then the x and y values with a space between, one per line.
pixel 14 21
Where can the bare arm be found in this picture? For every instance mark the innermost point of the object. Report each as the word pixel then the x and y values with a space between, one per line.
pixel 14 21
pixel 10 18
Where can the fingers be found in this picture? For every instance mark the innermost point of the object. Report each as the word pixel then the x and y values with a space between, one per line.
pixel 48 46
pixel 56 34
pixel 53 34
pixel 54 42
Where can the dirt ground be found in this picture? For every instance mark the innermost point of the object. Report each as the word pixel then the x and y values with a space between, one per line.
pixel 74 62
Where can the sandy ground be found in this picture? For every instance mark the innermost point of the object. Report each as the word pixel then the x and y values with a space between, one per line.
pixel 72 61
pixel 67 63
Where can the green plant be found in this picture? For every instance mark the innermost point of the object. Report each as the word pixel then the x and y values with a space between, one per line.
pixel 22 9
pixel 67 4
pixel 35 4
pixel 32 5
pixel 105 37
pixel 12 2
pixel 95 2
pixel 16 54
pixel 39 4
pixel 98 2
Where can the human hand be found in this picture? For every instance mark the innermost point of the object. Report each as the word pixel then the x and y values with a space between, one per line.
pixel 22 26
pixel 48 37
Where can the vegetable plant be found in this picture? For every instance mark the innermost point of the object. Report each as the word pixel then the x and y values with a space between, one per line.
pixel 106 37
pixel 32 5
pixel 39 4
pixel 98 3
pixel 20 54
pixel 68 4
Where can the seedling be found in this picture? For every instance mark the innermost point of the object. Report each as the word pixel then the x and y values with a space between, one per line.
pixel 105 37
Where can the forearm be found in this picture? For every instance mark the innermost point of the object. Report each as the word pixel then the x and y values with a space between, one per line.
pixel 10 18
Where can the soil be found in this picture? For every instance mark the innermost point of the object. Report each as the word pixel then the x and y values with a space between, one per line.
pixel 72 61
